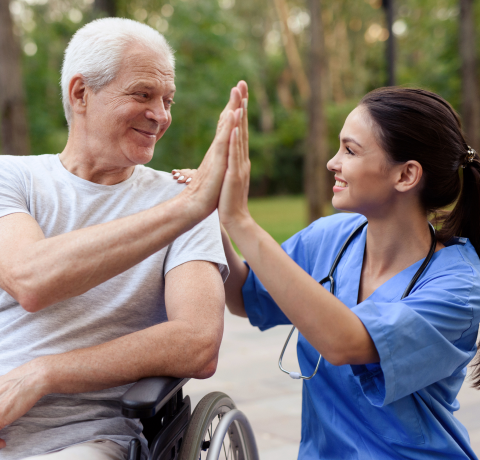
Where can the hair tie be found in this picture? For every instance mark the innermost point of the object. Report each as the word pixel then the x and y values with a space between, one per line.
pixel 469 157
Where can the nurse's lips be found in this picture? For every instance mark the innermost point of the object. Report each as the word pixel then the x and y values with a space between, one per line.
pixel 339 183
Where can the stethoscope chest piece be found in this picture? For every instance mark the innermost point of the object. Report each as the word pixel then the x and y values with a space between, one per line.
pixel 329 277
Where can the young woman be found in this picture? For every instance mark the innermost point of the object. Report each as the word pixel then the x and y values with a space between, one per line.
pixel 400 328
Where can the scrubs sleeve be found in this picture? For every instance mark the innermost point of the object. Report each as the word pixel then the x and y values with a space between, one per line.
pixel 261 309
pixel 428 336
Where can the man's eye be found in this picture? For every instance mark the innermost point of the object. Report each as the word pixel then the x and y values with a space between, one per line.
pixel 169 102
pixel 142 95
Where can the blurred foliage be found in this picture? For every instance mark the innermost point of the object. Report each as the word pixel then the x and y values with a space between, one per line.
pixel 218 42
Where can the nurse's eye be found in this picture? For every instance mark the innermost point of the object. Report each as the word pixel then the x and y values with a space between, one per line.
pixel 349 151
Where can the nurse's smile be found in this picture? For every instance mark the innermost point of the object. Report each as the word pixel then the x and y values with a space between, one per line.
pixel 339 185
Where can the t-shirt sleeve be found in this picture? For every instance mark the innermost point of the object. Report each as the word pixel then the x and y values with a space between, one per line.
pixel 426 337
pixel 202 242
pixel 13 194
pixel 261 309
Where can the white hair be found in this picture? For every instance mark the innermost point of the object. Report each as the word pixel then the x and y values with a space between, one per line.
pixel 96 51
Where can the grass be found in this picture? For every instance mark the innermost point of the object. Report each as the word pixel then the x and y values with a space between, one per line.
pixel 281 216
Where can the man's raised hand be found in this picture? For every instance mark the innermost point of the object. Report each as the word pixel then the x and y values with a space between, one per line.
pixel 204 189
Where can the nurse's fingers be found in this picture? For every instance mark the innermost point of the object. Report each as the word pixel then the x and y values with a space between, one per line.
pixel 243 88
pixel 183 176
pixel 244 131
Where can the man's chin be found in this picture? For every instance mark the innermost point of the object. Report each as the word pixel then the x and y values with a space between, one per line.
pixel 142 156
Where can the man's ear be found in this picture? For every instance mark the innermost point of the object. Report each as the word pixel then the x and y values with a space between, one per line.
pixel 77 92
pixel 410 175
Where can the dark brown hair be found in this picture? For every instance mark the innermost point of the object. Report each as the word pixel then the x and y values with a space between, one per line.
pixel 415 124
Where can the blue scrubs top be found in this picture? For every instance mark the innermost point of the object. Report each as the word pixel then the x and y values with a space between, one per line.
pixel 401 407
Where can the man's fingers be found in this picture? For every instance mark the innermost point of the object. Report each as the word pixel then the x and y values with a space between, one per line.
pixel 233 104
pixel 234 154
pixel 226 128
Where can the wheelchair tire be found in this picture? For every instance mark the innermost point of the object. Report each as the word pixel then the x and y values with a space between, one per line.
pixel 201 428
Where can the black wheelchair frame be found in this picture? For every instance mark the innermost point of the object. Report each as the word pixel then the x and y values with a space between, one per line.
pixel 174 433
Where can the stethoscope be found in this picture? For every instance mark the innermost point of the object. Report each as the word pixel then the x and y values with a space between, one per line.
pixel 329 277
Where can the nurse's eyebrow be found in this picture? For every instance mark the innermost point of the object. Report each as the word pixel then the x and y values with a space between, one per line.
pixel 349 139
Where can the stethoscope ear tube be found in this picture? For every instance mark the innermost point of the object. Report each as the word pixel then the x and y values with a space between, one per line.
pixel 329 277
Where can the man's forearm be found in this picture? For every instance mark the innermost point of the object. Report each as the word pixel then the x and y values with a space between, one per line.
pixel 54 269
pixel 171 348
pixel 186 346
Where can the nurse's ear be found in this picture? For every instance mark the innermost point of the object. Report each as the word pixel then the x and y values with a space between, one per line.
pixel 409 175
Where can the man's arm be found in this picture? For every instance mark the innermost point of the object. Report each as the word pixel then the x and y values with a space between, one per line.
pixel 185 346
pixel 39 271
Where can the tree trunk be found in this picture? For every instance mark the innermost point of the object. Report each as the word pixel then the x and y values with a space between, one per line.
pixel 389 6
pixel 291 50
pixel 107 7
pixel 470 90
pixel 13 116
pixel 315 172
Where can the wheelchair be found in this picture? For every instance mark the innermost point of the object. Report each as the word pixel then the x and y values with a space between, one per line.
pixel 216 429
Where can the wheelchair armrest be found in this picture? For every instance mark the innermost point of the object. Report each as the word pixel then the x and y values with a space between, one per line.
pixel 149 395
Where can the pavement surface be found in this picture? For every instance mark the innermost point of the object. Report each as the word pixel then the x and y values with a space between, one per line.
pixel 248 372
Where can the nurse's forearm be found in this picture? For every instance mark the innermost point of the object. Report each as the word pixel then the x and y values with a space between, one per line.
pixel 236 279
pixel 328 324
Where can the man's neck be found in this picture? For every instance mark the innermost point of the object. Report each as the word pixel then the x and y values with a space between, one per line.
pixel 88 164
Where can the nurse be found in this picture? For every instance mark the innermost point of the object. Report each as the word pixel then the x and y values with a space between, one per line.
pixel 391 368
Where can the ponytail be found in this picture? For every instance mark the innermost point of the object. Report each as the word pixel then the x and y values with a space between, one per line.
pixel 464 220
pixel 415 124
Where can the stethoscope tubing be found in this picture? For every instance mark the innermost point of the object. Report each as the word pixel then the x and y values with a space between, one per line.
pixel 329 277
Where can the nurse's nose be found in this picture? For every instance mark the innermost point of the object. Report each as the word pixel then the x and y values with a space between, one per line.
pixel 334 164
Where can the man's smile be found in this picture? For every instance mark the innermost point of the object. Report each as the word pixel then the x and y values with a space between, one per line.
pixel 145 133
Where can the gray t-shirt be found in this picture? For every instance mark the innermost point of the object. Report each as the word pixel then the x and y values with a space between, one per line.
pixel 61 202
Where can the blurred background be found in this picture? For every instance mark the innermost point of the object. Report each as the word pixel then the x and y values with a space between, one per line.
pixel 307 63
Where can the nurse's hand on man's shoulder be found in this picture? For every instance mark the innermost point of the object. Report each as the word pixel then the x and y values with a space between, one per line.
pixel 183 176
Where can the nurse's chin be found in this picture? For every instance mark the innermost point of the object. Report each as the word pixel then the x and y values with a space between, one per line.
pixel 341 205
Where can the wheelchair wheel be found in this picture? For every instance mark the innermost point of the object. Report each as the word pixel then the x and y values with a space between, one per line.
pixel 200 431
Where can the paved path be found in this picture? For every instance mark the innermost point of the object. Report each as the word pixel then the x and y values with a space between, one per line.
pixel 248 372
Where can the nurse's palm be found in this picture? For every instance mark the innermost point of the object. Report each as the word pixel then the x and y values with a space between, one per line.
pixel 233 203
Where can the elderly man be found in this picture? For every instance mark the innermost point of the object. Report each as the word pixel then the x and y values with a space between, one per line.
pixel 99 250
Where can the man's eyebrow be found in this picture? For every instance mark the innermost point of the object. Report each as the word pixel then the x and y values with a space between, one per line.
pixel 147 86
pixel 350 139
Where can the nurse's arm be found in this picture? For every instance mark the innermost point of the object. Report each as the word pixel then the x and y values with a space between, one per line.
pixel 326 322
pixel 236 279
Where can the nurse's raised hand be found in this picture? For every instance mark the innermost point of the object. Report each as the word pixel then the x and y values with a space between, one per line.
pixel 201 198
pixel 233 204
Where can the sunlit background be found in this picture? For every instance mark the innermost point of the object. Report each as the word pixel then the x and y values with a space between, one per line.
pixel 220 42
pixel 268 43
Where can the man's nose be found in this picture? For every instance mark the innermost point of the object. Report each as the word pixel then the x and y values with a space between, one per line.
pixel 158 113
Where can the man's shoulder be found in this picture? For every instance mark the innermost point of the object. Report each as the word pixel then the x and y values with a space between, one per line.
pixel 158 181
pixel 25 163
